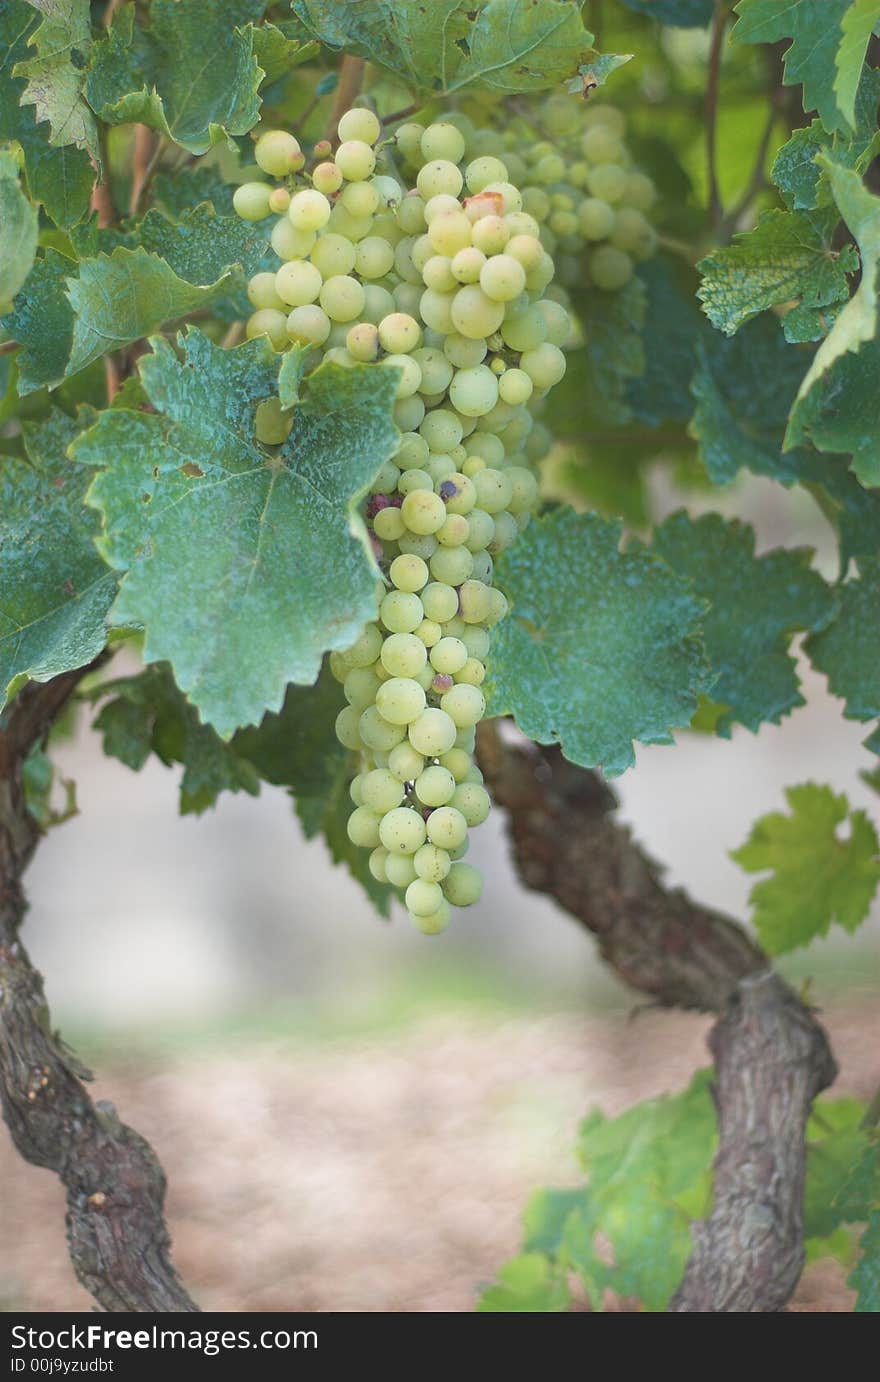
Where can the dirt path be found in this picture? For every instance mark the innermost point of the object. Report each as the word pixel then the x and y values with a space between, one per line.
pixel 385 1175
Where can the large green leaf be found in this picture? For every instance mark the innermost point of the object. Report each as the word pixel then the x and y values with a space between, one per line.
pixel 866 1277
pixel 682 14
pixel 191 74
pixel 613 356
pixel 56 588
pixel 817 877
pixel 756 605
pixel 59 177
pixel 244 563
pixel 55 75
pixel 795 171
pixel 848 651
pixel 843 1167
pixel 673 328
pixel 814 26
pixel 42 321
pixel 857 25
pixel 326 813
pixel 841 414
pixel 18 230
pixel 600 647
pixel 857 323
pixel 789 255
pixel 506 45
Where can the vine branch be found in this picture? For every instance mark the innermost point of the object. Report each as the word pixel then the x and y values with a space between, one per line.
pixel 772 1056
pixel 116 1232
pixel 719 30
pixel 351 79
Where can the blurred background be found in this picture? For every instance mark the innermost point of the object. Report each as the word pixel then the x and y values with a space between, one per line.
pixel 350 1114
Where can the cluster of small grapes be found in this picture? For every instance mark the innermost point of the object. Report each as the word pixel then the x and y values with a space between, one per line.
pixel 579 183
pixel 447 283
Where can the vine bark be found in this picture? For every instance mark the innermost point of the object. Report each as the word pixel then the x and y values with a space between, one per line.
pixel 772 1056
pixel 118 1241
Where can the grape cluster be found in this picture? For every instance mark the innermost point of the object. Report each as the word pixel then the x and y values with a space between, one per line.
pixel 446 283
pixel 578 181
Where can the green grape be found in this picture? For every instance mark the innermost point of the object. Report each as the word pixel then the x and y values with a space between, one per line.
pixel 511 197
pixel 462 351
pixel 342 298
pixel 436 371
pixel 404 654
pixel 441 429
pixel 455 531
pixel 610 268
pixel 459 494
pixel 376 864
pixel 414 479
pixel 409 141
pixel 308 325
pixel 481 529
pixel 399 870
pixel 515 387
pixel 410 374
pixel 423 512
pixel 545 365
pixel 419 544
pixel 527 250
pixel 432 734
pixel 608 182
pixel 451 565
pixel 439 177
pixel 360 687
pixel 473 314
pixel 446 827
pixel 411 214
pixel 402 831
pixel 355 160
pixel 374 257
pixel 405 763
pixel 434 786
pixel 408 573
pixel 363 827
pixel 557 319
pixel 362 341
pixel 424 899
pixel 439 206
pixel 377 732
pixel 458 763
pixel 595 218
pixel 436 310
pixel 640 192
pixel 431 863
pixel 399 333
pixel 498 607
pixel 506 531
pixel 289 243
pixel 327 178
pixel 474 602
pixel 272 423
pixel 437 274
pixel 463 885
pixel 389 525
pixel 465 705
pixel 298 283
pixel 251 200
pixel 601 145
pixel 341 222
pixel 474 392
pixel 442 141
pixel 400 700
pixel 400 611
pixel 633 233
pixel 278 153
pixel 361 124
pixel 490 234
pixel 473 673
pixel 381 791
pixel 449 232
pixel 440 601
pixel 333 254
pixel 482 570
pixel 348 728
pixel 408 413
pixel 308 210
pixel 360 199
pixel 268 322
pixel 481 171
pixel 261 292
pixel 448 656
pixel 494 490
pixel 434 924
pixel 429 632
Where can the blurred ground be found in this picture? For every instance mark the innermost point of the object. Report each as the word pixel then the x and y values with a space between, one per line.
pixel 352 1115
pixel 383 1174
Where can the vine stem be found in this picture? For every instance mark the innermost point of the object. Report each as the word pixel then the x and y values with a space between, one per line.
pixel 6 347
pixel 403 114
pixel 351 79
pixel 148 150
pixel 719 30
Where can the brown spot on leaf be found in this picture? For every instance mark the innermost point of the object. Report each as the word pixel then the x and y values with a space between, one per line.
pixel 192 471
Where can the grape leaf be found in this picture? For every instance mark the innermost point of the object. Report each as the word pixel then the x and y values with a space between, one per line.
pixel 814 26
pixel 789 254
pixel 244 564
pixel 674 327
pixel 683 14
pixel 649 1175
pixel 18 230
pixel 527 1283
pixel 506 45
pixel 848 651
pixel 601 646
pixel 857 323
pixel 147 714
pixel 817 877
pixel 843 1167
pixel 278 53
pixel 858 23
pixel 190 187
pixel 192 74
pixel 119 298
pixel 60 178
pixel 55 75
pixel 56 589
pixel 756 676
pixel 866 1277
pixel 298 747
pixel 840 412
pixel 42 320
pixel 613 353
pixel 326 812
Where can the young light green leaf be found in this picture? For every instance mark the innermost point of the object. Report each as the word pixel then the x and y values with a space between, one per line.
pixel 505 45
pixel 857 323
pixel 56 588
pixel 18 230
pixel 244 564
pixel 55 75
pixel 191 74
pixel 755 675
pixel 527 1283
pixel 858 23
pixel 815 30
pixel 600 647
pixel 789 254
pixel 818 878
pixel 848 651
